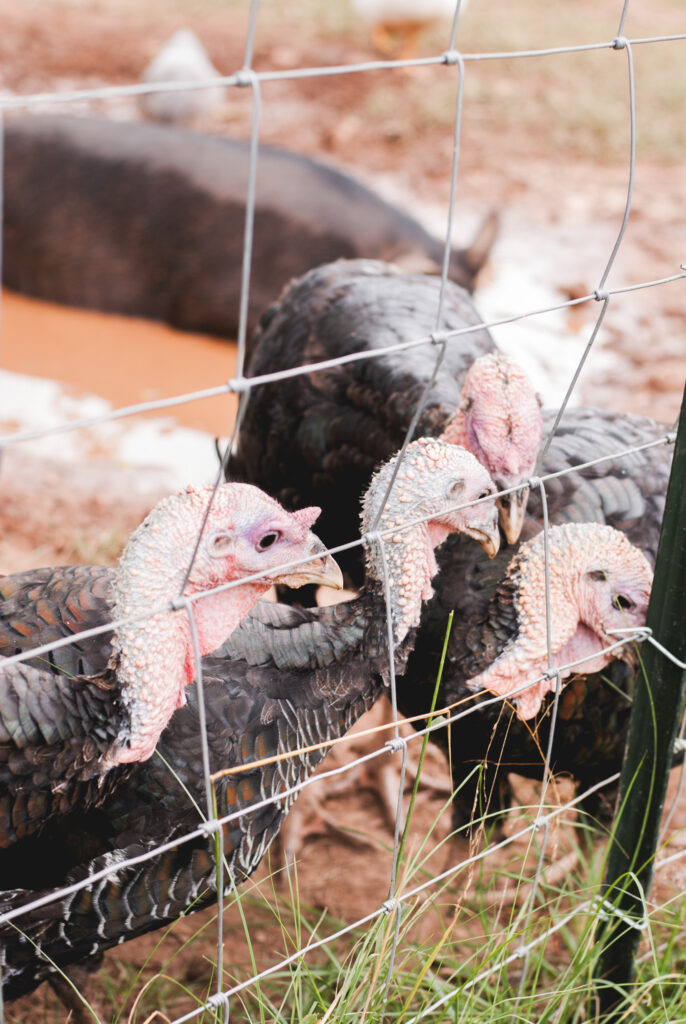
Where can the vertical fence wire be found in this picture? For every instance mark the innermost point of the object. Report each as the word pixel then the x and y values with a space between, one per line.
pixel 601 294
pixel 452 58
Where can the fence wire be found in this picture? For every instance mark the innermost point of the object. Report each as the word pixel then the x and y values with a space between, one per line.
pixel 211 824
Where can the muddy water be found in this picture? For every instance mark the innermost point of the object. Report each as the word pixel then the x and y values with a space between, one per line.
pixel 122 359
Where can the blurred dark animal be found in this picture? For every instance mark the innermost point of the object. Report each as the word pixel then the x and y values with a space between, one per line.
pixel 148 220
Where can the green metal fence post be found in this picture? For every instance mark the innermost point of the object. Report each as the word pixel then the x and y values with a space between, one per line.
pixel 658 701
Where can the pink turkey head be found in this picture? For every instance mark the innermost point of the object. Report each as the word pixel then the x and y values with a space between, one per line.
pixel 499 420
pixel 599 582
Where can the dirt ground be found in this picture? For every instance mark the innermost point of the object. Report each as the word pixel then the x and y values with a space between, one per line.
pixel 561 194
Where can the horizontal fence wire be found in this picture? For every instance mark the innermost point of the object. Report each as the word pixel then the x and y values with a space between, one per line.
pixel 241 79
pixel 211 825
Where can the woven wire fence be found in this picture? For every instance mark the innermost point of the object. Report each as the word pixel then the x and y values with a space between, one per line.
pixel 397 896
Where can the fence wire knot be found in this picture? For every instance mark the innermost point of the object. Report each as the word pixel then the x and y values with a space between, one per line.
pixel 373 537
pixel 395 745
pixel 389 905
pixel 439 337
pixel 244 77
pixel 180 602
pixel 238 384
pixel 220 1000
pixel 520 952
pixel 605 910
pixel 619 43
pixel 534 482
pixel 601 295
pixel 210 828
pixel 450 57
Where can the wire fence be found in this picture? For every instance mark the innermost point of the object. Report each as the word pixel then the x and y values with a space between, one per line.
pixel 210 824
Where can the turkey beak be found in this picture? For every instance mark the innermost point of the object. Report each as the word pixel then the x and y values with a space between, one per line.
pixel 511 508
pixel 489 540
pixel 487 536
pixel 322 570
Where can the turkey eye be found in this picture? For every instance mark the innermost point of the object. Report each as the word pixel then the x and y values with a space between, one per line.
pixel 623 602
pixel 486 494
pixel 268 540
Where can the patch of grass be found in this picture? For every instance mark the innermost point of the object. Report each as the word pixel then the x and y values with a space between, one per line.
pixel 456 947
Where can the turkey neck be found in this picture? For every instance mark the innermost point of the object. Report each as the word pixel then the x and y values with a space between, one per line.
pixel 408 558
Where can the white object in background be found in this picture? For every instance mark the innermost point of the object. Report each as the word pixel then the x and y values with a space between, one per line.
pixel 182 59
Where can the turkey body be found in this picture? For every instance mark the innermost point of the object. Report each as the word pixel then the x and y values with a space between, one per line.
pixel 322 435
pixel 483 747
pixel 62 734
pixel 330 664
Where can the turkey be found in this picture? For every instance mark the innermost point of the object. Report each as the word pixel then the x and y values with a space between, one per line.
pixel 287 678
pixel 319 436
pixel 72 717
pixel 627 493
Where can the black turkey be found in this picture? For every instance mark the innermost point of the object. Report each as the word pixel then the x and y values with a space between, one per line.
pixel 627 493
pixel 318 437
pixel 286 679
pixel 76 714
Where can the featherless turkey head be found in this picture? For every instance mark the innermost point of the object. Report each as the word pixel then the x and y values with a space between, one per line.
pixel 598 582
pixel 245 533
pixel 434 482
pixel 500 422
